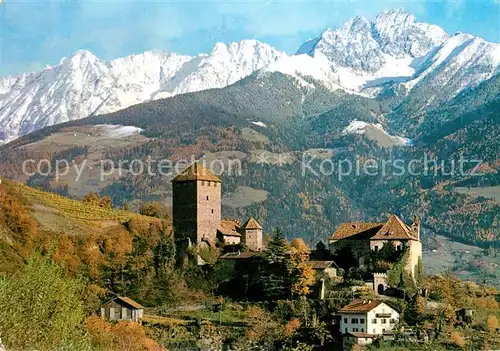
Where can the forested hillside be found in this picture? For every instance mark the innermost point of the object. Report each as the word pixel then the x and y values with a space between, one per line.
pixel 295 122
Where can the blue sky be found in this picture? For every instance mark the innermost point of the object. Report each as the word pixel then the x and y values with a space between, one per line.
pixel 35 33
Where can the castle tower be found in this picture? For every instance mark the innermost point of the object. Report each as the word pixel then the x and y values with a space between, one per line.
pixel 252 234
pixel 196 204
pixel 415 227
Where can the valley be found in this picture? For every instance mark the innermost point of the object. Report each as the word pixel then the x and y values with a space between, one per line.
pixel 341 196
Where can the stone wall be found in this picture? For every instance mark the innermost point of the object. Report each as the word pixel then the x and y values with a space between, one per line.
pixel 253 239
pixel 196 210
pixel 184 210
pixel 208 202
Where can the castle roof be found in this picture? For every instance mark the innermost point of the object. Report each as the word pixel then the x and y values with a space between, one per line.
pixel 361 230
pixel 196 171
pixel 393 229
pixel 229 227
pixel 251 224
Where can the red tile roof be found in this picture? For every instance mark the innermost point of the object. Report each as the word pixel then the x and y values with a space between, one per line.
pixel 229 227
pixel 196 171
pixel 361 306
pixel 252 223
pixel 358 229
pixel 393 229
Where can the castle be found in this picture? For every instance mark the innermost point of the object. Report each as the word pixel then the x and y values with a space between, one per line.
pixel 197 195
pixel 363 237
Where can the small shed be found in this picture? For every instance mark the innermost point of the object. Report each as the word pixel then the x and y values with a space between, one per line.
pixel 326 267
pixel 465 314
pixel 122 308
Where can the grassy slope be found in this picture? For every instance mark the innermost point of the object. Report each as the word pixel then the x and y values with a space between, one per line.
pixel 31 219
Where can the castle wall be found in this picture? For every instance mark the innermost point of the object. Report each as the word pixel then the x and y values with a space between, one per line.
pixel 378 244
pixel 184 210
pixel 231 240
pixel 252 238
pixel 379 282
pixel 415 248
pixel 359 248
pixel 208 203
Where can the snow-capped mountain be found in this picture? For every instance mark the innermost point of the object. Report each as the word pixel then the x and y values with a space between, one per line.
pixel 392 52
pixel 83 85
pixel 394 48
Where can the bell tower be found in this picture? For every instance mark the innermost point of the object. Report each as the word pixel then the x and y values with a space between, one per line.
pixel 196 204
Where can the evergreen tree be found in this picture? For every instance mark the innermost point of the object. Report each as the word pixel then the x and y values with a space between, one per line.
pixel 275 282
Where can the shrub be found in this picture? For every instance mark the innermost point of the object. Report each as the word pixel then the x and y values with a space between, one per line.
pixel 457 339
pixel 41 308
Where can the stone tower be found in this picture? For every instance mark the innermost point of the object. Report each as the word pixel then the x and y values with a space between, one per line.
pixel 196 205
pixel 252 234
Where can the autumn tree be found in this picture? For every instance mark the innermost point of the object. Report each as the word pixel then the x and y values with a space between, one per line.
pixel 91 198
pixel 302 275
pixel 303 279
pixel 299 251
pixel 492 323
pixel 124 335
pixel 153 209
pixel 457 339
pixel 105 202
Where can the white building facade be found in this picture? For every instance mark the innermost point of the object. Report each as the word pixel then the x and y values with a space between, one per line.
pixel 372 317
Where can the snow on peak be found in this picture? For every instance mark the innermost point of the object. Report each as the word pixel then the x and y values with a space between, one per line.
pixel 375 131
pixel 83 85
pixel 302 67
pixel 364 45
pixel 362 56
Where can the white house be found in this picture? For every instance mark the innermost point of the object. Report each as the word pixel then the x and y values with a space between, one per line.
pixel 367 318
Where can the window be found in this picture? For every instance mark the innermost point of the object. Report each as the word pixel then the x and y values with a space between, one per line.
pixel 376 248
pixel 354 329
pixel 346 330
pixel 354 320
pixel 374 320
pixel 392 321
pixel 208 183
pixel 384 320
pixel 362 330
pixel 212 210
pixel 345 320
pixel 207 197
pixel 215 184
pixel 202 182
pixel 362 321
pixel 373 331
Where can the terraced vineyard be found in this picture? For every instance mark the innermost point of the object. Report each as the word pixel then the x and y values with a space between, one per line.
pixel 71 208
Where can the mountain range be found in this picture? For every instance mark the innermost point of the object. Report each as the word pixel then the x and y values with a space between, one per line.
pixel 395 90
pixel 391 56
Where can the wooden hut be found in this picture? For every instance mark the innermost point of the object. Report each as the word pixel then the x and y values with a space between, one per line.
pixel 122 308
